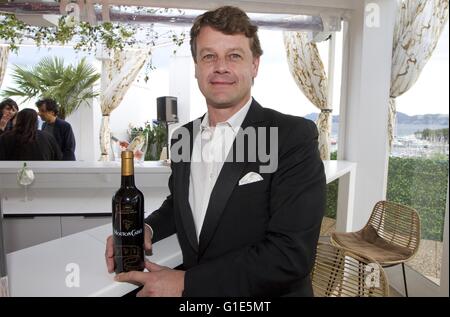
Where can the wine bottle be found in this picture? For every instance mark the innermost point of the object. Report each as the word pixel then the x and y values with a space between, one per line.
pixel 128 220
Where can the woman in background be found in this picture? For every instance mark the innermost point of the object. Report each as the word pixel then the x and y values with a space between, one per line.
pixel 26 143
pixel 8 111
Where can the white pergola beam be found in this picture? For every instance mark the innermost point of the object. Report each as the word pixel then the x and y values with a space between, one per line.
pixel 310 7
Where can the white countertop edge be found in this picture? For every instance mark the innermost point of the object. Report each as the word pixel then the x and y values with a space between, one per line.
pixel 156 167
pixel 335 169
pixel 77 167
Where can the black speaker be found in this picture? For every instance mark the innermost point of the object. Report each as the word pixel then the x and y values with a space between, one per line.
pixel 166 109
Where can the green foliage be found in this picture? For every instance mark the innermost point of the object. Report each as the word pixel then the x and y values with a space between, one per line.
pixel 332 194
pixel 433 134
pixel 11 30
pixel 86 37
pixel 416 182
pixel 70 86
pixel 156 138
pixel 421 184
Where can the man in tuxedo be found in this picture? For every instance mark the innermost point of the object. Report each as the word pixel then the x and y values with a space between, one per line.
pixel 247 226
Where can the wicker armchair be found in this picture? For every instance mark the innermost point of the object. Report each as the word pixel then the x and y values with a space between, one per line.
pixel 338 272
pixel 391 236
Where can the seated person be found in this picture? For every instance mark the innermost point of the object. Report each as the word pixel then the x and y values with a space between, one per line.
pixel 8 111
pixel 26 143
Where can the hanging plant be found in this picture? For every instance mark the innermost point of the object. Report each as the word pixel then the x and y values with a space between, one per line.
pixel 156 135
pixel 86 37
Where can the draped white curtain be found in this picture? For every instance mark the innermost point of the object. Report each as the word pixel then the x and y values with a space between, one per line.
pixel 4 52
pixel 309 74
pixel 418 28
pixel 118 73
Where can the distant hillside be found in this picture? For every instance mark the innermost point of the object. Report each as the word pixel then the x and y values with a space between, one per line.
pixel 313 116
pixel 402 118
pixel 426 119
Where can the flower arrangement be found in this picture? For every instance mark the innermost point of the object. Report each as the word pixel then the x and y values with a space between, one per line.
pixel 151 137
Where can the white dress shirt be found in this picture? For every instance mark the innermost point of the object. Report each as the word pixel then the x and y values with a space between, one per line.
pixel 210 149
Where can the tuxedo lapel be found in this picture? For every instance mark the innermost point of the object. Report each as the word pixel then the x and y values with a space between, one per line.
pixel 227 180
pixel 185 208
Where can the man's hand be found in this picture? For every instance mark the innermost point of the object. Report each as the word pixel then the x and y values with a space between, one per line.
pixel 160 281
pixel 109 253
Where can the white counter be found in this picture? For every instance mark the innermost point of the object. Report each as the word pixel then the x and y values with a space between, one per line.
pixel 77 187
pixel 63 188
pixel 337 169
pixel 41 270
pixel 65 174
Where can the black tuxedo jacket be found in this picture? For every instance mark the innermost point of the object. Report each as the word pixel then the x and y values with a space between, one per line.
pixel 257 239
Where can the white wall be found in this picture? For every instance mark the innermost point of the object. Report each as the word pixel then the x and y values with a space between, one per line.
pixel 136 110
pixel 181 78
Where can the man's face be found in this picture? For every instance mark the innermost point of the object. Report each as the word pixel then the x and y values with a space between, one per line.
pixel 225 68
pixel 9 112
pixel 44 114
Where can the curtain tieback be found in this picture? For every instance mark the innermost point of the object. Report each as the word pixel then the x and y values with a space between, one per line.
pixel 326 110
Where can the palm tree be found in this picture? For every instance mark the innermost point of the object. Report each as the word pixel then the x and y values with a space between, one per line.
pixel 69 86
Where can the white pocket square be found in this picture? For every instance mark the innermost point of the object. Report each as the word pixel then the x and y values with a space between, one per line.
pixel 250 177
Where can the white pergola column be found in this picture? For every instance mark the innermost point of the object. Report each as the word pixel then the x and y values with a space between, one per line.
pixel 85 122
pixel 366 77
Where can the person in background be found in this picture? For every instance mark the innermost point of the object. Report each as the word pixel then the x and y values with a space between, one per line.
pixel 60 129
pixel 26 143
pixel 8 111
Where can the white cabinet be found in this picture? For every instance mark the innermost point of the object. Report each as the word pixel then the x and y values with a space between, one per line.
pixel 74 224
pixel 23 232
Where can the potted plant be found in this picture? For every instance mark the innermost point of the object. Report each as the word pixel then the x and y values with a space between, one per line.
pixel 155 136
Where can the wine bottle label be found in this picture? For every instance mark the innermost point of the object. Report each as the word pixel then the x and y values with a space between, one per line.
pixel 131 233
pixel 128 258
pixel 125 209
pixel 128 238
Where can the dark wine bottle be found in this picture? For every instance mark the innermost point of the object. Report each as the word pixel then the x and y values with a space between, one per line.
pixel 128 221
